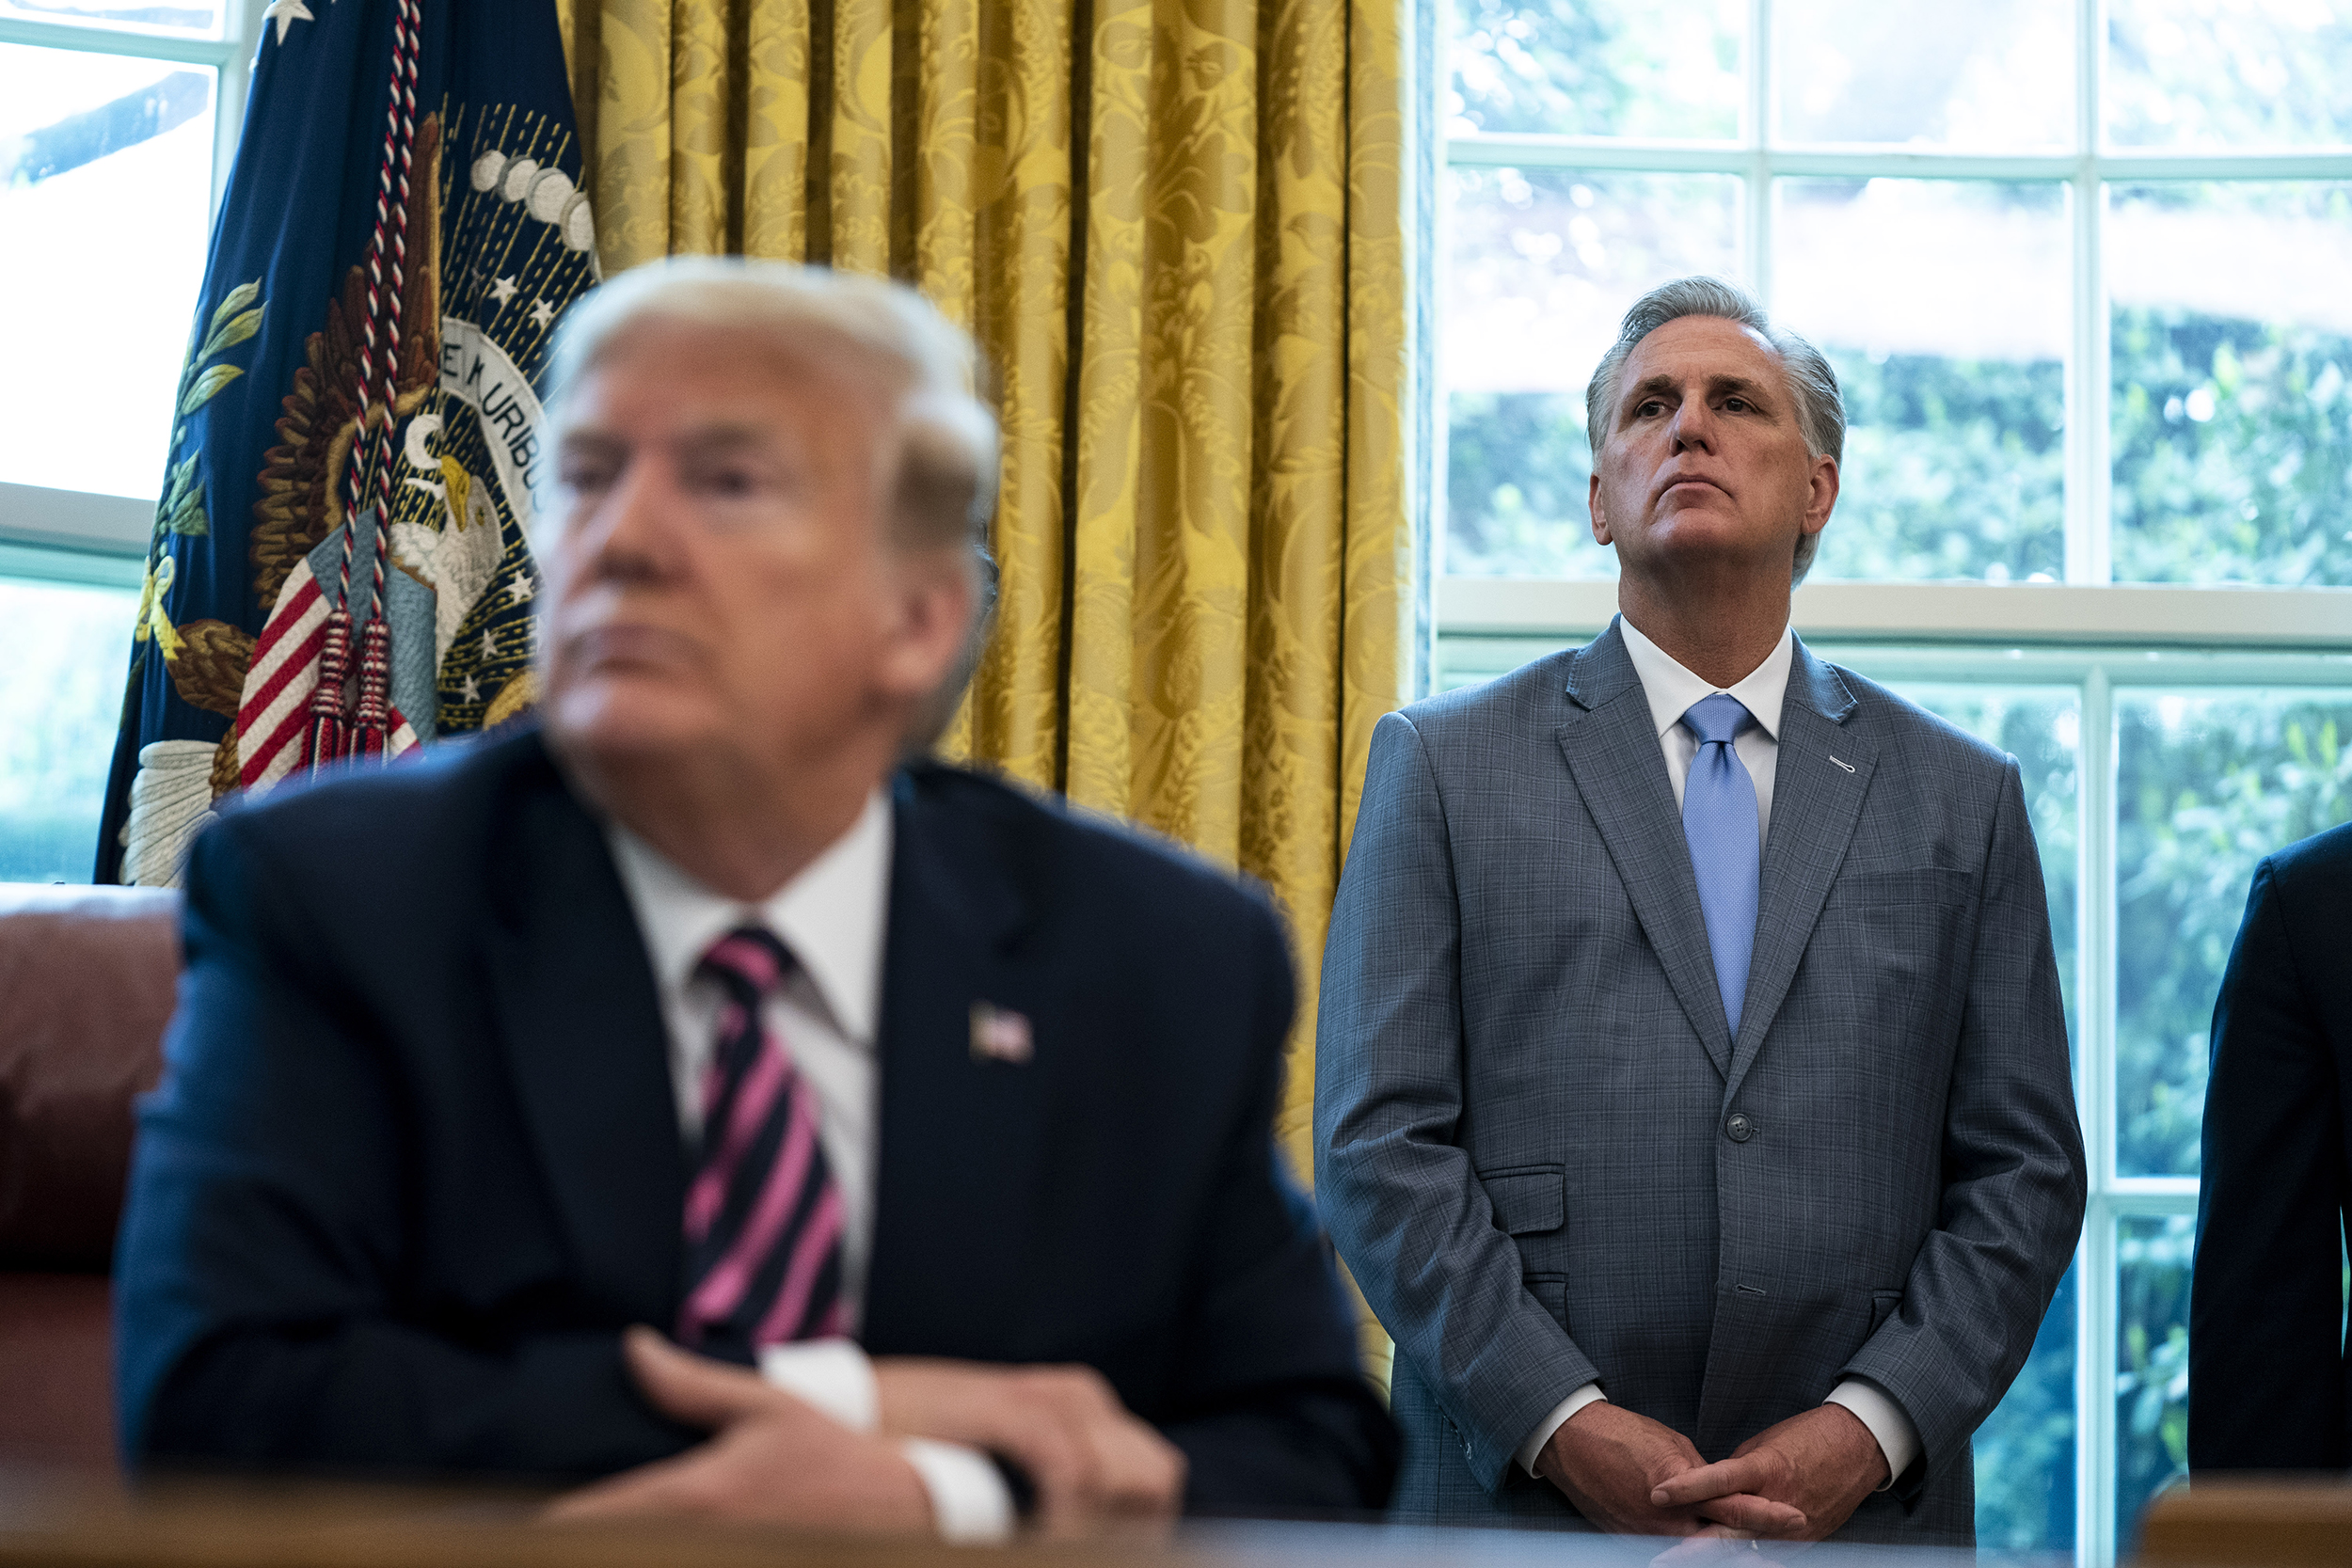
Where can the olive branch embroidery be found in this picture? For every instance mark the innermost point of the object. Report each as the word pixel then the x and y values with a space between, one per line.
pixel 180 510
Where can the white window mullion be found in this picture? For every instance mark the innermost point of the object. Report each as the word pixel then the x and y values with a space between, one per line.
pixel 2090 562
pixel 1757 215
pixel 2095 1470
pixel 105 41
pixel 2088 375
pixel 2095 1287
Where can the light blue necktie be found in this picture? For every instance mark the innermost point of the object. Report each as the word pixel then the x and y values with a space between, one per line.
pixel 1718 823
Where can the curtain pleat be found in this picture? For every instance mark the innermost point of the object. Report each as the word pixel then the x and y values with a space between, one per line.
pixel 860 168
pixel 1174 228
pixel 775 116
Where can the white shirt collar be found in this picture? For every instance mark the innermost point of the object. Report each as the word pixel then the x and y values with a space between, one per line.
pixel 833 916
pixel 1671 690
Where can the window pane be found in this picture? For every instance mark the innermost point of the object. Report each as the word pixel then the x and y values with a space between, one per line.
pixel 1597 68
pixel 2024 1451
pixel 2152 1364
pixel 1943 306
pixel 2232 412
pixel 2207 782
pixel 1926 73
pixel 60 700
pixel 186 19
pixel 105 194
pixel 1542 266
pixel 2043 729
pixel 2191 73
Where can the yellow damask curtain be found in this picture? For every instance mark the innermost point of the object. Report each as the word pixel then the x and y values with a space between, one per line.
pixel 1174 228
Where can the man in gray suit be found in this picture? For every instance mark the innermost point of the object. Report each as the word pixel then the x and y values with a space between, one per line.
pixel 1691 1094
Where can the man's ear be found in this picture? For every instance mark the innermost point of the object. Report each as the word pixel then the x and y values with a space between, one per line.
pixel 935 601
pixel 1600 514
pixel 1822 495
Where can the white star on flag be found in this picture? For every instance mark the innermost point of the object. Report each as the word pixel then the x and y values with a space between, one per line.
pixel 489 646
pixel 520 590
pixel 471 691
pixel 542 315
pixel 502 289
pixel 287 13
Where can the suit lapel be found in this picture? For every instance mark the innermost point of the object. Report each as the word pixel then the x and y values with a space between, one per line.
pixel 573 992
pixel 1819 783
pixel 1613 751
pixel 963 1161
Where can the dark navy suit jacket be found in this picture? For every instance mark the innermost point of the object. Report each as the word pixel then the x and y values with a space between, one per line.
pixel 2267 1369
pixel 415 1161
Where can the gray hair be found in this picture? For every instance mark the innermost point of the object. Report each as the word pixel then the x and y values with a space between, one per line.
pixel 1820 409
pixel 945 488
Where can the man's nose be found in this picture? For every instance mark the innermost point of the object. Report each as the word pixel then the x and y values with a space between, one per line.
pixel 632 534
pixel 1694 426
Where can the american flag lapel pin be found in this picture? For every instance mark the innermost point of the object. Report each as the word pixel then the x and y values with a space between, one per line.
pixel 1000 1034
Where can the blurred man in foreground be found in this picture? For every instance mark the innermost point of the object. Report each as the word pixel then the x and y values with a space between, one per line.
pixel 904 1105
pixel 1693 1100
pixel 2268 1384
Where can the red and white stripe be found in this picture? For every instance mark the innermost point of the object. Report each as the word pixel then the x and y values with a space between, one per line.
pixel 273 712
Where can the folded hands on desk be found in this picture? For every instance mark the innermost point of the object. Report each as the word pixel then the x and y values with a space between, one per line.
pixel 1093 1464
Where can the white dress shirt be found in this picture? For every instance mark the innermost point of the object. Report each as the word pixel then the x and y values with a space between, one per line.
pixel 833 918
pixel 1671 690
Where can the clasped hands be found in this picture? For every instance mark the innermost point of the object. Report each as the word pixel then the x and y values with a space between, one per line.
pixel 1796 1482
pixel 775 1459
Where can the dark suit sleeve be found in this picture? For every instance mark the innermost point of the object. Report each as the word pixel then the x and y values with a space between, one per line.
pixel 263 1313
pixel 1274 1415
pixel 2013 1172
pixel 2266 1361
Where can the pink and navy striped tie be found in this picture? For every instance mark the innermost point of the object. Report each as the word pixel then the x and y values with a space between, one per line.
pixel 763 1218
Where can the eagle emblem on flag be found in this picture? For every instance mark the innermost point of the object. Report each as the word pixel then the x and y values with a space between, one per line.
pixel 342 568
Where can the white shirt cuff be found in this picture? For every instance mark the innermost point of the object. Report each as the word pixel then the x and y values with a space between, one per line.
pixel 1533 1449
pixel 970 1502
pixel 831 1375
pixel 1897 1439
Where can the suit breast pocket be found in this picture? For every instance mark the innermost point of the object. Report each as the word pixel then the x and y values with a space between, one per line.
pixel 1905 937
pixel 1916 887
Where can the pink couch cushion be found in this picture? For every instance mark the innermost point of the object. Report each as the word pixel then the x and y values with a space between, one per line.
pixel 87 978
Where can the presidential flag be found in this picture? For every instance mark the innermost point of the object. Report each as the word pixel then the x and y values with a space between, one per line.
pixel 340 568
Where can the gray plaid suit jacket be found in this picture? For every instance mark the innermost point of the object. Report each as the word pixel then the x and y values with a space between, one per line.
pixel 1526 1089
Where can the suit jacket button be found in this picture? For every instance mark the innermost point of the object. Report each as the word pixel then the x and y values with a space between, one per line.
pixel 1739 1129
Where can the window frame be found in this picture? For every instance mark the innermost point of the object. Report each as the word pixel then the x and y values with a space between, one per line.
pixel 1758 161
pixel 89 536
pixel 2088 632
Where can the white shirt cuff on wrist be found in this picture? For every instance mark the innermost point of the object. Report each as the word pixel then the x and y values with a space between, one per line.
pixel 1533 1449
pixel 835 1375
pixel 1897 1439
pixel 970 1502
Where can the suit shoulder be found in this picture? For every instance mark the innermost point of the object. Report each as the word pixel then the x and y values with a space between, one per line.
pixel 1156 878
pixel 1921 738
pixel 1535 694
pixel 2320 865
